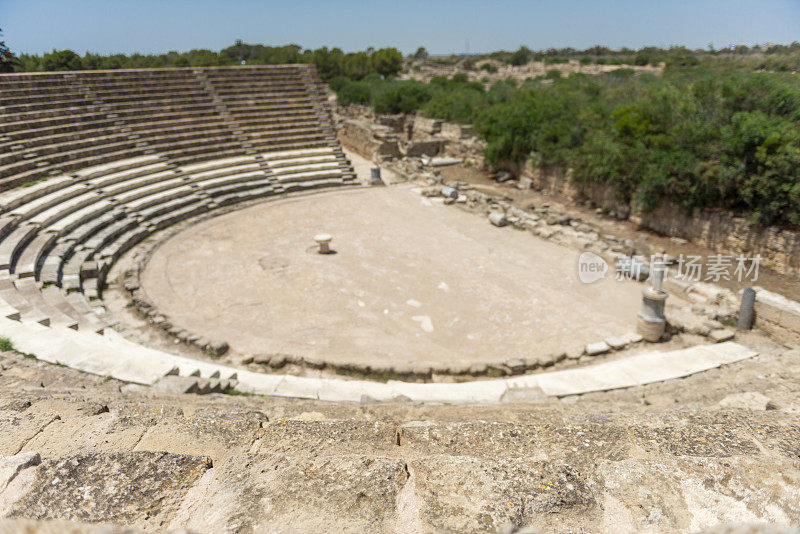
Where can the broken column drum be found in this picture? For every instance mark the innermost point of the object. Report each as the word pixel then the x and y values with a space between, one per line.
pixel 652 323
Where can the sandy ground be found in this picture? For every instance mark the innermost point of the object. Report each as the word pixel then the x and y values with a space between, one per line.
pixel 412 281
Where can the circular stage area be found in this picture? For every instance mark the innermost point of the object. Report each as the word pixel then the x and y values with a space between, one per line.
pixel 410 281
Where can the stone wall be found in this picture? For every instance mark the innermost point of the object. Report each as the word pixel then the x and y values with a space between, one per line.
pixel 778 315
pixel 779 249
pixel 368 139
pixel 426 127
pixel 422 147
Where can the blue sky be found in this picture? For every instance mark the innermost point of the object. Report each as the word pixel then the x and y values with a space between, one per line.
pixel 442 26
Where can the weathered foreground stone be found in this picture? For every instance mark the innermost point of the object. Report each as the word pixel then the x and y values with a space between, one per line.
pixel 30 526
pixel 461 494
pixel 325 437
pixel 552 438
pixel 691 494
pixel 16 478
pixel 142 489
pixel 208 431
pixel 17 429
pixel 282 493
pixel 748 400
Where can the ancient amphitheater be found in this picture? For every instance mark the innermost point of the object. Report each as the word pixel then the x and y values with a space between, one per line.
pixel 184 358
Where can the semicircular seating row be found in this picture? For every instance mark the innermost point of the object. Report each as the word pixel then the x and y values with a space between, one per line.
pixel 94 162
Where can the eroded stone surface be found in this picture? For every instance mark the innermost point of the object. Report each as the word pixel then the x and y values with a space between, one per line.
pixel 283 493
pixel 137 488
pixel 16 429
pixel 462 494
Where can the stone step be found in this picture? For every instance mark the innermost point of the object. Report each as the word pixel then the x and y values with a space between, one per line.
pixel 87 322
pixel 223 171
pixel 75 219
pixel 12 301
pixel 63 190
pixel 152 194
pixel 16 197
pixel 114 167
pixel 32 254
pixel 60 210
pixel 13 243
pixel 212 183
pixel 29 290
pixel 120 187
pixel 309 175
pixel 105 181
pixel 87 352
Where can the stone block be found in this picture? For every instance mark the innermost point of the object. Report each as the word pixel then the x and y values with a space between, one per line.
pixel 427 127
pixel 153 482
pixel 302 493
pixel 456 131
pixel 616 343
pixel 594 349
pixel 719 336
pixel 790 321
pixel 633 337
pixel 176 384
pixel 748 400
pixel 422 147
pixel 573 353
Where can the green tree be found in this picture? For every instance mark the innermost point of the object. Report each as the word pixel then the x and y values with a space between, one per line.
pixel 62 60
pixel 8 61
pixel 387 61
pixel 421 53
pixel 356 65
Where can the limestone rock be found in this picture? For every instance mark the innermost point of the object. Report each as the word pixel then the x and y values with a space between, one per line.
pixel 218 347
pixel 616 343
pixel 300 494
pixel 601 347
pixel 14 481
pixel 516 365
pixel 493 492
pixel 177 384
pixel 719 336
pixel 87 487
pixel 749 400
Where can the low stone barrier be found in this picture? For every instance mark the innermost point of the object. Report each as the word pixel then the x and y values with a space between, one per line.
pixel 778 316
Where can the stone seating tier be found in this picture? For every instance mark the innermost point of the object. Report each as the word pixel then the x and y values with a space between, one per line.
pixel 109 158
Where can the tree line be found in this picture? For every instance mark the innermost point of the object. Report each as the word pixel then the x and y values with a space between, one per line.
pixel 329 62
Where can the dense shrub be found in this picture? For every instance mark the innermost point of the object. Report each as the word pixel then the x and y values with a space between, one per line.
pixel 400 97
pixel 695 137
pixel 522 56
